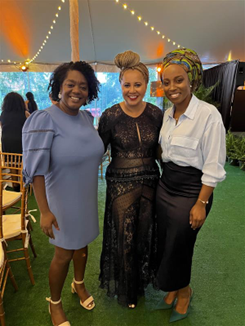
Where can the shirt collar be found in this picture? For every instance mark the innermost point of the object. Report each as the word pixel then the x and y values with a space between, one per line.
pixel 191 108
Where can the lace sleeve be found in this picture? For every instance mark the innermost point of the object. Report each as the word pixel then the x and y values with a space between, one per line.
pixel 104 129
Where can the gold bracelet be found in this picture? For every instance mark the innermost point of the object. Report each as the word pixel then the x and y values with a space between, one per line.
pixel 203 201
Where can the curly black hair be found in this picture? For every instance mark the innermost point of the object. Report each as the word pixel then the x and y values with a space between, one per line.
pixel 60 73
pixel 13 102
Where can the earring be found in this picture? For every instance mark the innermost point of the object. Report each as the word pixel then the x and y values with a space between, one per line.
pixel 59 95
pixel 87 101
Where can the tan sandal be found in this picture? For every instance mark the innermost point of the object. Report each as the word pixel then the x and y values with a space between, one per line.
pixel 89 301
pixel 66 323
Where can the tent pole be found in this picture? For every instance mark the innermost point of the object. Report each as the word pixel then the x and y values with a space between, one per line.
pixel 74 30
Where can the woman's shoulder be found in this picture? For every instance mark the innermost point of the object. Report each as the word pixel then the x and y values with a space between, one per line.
pixel 209 111
pixel 112 111
pixel 39 119
pixel 111 114
pixel 88 115
pixel 110 117
pixel 155 113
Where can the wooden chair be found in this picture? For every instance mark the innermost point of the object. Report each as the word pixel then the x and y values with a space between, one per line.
pixel 106 159
pixel 11 198
pixel 5 272
pixel 10 162
pixel 15 226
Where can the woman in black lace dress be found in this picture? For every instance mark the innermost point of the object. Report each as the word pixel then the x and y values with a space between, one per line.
pixel 132 129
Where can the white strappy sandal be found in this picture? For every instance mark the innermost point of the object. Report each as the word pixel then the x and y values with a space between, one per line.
pixel 88 304
pixel 66 323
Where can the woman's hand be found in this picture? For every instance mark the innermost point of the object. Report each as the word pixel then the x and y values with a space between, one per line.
pixel 197 215
pixel 47 220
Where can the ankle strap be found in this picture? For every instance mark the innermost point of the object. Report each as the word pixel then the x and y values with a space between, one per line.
pixel 53 302
pixel 78 282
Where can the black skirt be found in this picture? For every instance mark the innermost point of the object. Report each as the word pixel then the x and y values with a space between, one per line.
pixel 177 193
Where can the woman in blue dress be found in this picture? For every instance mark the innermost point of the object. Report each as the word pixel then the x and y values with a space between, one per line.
pixel 62 152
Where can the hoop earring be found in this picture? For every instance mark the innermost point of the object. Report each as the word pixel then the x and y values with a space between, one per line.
pixel 87 101
pixel 59 96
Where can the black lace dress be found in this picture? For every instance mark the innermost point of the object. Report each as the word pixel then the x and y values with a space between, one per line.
pixel 127 259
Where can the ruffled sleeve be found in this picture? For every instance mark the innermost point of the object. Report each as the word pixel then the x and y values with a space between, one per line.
pixel 37 137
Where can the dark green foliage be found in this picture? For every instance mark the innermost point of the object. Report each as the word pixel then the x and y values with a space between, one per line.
pixel 235 148
pixel 205 94
pixel 231 145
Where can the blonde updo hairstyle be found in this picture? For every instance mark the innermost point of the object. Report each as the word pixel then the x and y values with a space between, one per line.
pixel 130 60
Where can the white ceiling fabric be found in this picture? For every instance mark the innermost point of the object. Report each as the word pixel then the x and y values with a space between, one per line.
pixel 213 28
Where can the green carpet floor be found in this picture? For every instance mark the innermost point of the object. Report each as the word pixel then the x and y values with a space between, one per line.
pixel 218 277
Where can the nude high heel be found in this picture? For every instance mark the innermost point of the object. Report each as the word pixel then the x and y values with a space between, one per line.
pixel 66 323
pixel 88 301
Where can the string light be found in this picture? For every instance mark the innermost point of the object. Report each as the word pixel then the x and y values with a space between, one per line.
pixel 24 68
pixel 28 61
pixel 47 36
pixel 125 6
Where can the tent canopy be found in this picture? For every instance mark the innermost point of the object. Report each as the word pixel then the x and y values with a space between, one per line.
pixel 215 29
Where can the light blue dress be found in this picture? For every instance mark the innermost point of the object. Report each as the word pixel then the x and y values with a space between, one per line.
pixel 67 150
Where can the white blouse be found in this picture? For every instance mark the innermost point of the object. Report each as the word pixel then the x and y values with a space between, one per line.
pixel 198 140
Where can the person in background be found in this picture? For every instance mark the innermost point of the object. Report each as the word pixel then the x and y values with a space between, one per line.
pixel 192 140
pixel 132 130
pixel 13 117
pixel 31 104
pixel 61 154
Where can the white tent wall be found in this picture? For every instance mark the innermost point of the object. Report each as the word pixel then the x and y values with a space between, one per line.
pixel 213 28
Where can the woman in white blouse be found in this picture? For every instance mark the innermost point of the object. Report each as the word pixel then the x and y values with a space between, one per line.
pixel 192 139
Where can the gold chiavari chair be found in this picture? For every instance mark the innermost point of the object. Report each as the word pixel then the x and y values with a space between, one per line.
pixel 5 272
pixel 12 162
pixel 15 225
